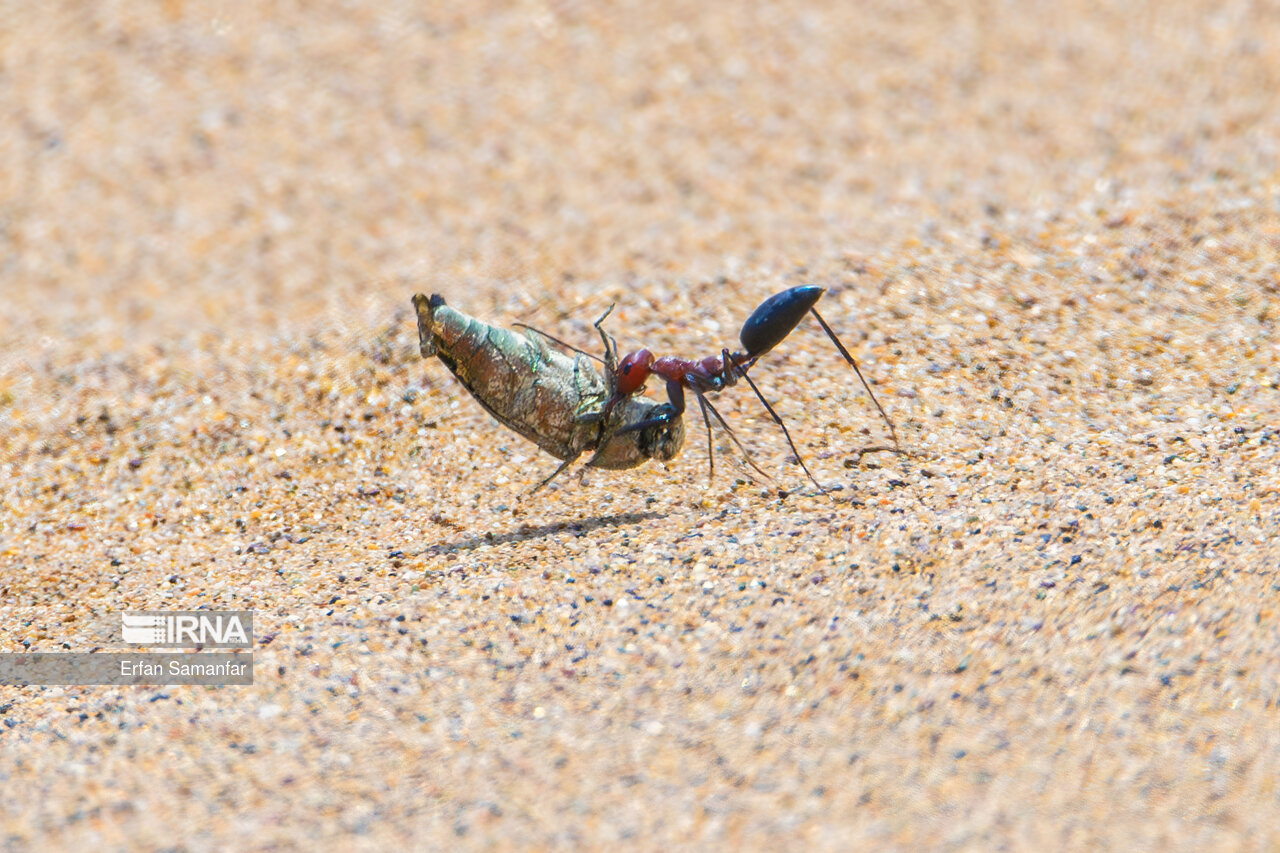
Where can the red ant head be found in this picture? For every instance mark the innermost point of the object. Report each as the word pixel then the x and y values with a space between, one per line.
pixel 633 370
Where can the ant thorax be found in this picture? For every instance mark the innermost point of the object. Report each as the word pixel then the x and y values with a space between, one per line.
pixel 712 365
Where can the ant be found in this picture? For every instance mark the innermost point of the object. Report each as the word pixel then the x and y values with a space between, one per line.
pixel 767 327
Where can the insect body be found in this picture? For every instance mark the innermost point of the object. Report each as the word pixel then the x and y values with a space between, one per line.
pixel 560 403
pixel 767 327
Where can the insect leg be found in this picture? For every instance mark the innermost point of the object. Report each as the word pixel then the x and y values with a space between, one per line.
pixel 728 429
pixel 711 453
pixel 588 411
pixel 556 473
pixel 893 433
pixel 778 420
pixel 675 393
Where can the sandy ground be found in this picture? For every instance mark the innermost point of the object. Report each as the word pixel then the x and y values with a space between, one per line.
pixel 1050 232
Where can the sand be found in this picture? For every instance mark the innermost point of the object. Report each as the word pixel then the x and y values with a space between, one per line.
pixel 1049 232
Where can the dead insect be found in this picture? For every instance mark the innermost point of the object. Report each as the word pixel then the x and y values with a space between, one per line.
pixel 767 327
pixel 561 404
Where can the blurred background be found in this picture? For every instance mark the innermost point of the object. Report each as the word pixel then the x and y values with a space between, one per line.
pixel 1051 233
pixel 172 167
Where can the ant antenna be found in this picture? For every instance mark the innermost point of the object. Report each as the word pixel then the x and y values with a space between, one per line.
pixel 556 340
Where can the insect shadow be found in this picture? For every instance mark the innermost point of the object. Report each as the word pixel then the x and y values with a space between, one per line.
pixel 527 533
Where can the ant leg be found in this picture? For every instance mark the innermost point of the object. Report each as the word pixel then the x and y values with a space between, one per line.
pixel 778 420
pixel 675 394
pixel 728 429
pixel 711 453
pixel 893 433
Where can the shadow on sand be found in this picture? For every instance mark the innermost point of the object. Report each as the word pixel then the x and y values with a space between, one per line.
pixel 526 532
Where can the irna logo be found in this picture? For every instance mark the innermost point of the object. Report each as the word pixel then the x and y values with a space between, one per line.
pixel 185 628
